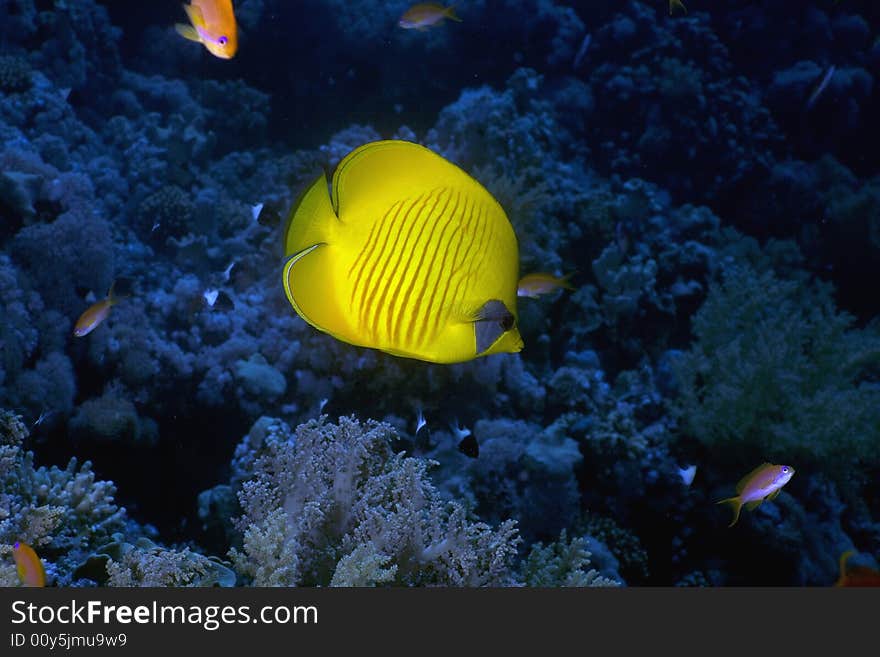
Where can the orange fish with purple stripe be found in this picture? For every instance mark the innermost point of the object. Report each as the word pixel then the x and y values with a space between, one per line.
pixel 28 565
pixel 95 314
pixel 212 23
pixel 538 283
pixel 856 575
pixel 762 483
pixel 425 15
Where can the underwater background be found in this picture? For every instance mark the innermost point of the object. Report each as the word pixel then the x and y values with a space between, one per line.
pixel 709 173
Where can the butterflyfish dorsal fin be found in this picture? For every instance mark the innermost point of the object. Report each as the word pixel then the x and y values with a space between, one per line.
pixel 396 170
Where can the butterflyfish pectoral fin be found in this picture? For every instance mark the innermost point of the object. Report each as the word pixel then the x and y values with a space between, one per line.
pixel 491 321
pixel 187 32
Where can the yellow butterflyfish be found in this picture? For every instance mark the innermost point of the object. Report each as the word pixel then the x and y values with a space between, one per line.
pixel 406 254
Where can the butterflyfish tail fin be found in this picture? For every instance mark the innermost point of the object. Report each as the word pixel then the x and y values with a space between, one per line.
pixel 450 13
pixel 111 297
pixel 187 32
pixel 308 273
pixel 310 218
pixel 566 280
pixel 736 504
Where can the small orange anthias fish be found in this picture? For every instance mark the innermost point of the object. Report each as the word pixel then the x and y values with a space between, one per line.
pixel 424 15
pixel 95 314
pixel 27 563
pixel 534 285
pixel 856 575
pixel 762 483
pixel 213 25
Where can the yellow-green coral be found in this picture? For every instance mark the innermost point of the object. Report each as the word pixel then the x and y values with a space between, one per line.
pixel 562 563
pixel 777 373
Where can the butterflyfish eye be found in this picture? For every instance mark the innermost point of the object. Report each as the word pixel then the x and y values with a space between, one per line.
pixel 507 322
pixel 223 41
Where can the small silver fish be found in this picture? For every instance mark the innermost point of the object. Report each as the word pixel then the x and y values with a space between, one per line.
pixel 821 86
pixel 579 57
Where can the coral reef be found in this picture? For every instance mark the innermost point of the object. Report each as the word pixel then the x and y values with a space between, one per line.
pixel 332 504
pixel 718 215
pixel 773 366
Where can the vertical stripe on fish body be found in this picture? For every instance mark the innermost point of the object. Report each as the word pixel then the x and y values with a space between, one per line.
pixel 410 255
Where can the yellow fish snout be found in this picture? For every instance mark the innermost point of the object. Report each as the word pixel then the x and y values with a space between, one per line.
pixel 495 329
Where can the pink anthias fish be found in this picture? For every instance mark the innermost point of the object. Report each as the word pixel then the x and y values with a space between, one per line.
pixel 28 565
pixel 762 483
pixel 425 15
pixel 534 285
pixel 95 314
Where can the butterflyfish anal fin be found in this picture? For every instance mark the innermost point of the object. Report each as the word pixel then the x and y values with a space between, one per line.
pixel 773 495
pixel 754 504
pixel 187 32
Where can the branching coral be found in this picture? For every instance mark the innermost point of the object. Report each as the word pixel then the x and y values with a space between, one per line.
pixel 562 563
pixel 15 74
pixel 777 373
pixel 334 504
pixel 63 514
